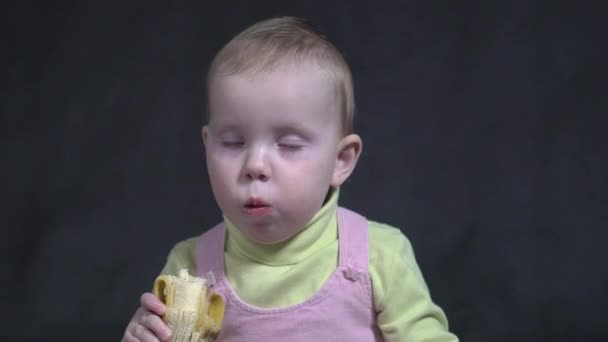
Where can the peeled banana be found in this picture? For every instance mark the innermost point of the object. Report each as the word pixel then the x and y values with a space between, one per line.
pixel 194 313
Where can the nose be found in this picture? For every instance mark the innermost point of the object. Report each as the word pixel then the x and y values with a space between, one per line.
pixel 256 165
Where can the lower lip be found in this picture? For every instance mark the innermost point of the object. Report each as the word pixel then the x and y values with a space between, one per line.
pixel 257 211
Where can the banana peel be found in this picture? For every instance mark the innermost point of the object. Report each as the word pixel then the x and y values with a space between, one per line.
pixel 194 313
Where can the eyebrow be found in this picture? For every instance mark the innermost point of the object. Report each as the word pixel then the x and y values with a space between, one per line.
pixel 223 126
pixel 288 125
pixel 294 127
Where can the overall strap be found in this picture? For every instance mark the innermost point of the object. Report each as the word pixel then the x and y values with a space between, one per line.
pixel 210 252
pixel 353 240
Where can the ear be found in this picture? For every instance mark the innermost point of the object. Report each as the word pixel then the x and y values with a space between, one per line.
pixel 205 134
pixel 349 150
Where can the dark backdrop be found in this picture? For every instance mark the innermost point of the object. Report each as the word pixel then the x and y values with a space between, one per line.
pixel 484 141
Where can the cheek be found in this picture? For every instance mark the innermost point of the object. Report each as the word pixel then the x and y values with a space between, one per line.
pixel 304 169
pixel 312 177
pixel 219 161
pixel 220 171
pixel 221 186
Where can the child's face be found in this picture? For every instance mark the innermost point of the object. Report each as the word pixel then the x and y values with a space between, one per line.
pixel 272 147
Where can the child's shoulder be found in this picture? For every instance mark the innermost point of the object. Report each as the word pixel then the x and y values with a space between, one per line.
pixel 181 256
pixel 386 242
pixel 383 231
pixel 186 245
pixel 385 234
pixel 185 249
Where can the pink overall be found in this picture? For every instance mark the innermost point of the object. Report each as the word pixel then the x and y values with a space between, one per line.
pixel 342 310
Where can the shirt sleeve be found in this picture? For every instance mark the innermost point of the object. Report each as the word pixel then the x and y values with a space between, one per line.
pixel 405 310
pixel 181 256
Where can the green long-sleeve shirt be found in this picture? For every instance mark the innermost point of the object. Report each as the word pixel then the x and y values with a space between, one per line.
pixel 290 272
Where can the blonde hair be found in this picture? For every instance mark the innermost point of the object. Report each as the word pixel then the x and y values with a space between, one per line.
pixel 277 42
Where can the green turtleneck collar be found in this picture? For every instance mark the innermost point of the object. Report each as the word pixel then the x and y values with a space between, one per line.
pixel 321 231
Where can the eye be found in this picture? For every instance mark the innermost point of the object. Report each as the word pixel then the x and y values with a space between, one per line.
pixel 290 146
pixel 232 143
pixel 291 142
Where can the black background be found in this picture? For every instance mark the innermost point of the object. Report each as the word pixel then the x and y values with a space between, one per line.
pixel 484 141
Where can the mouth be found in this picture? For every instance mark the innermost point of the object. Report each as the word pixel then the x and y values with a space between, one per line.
pixel 256 202
pixel 257 207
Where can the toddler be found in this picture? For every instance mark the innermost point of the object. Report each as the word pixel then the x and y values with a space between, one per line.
pixel 290 263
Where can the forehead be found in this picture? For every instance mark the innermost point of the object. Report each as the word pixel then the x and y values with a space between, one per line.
pixel 303 94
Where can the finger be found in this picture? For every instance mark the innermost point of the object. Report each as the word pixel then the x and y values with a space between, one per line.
pixel 157 326
pixel 151 303
pixel 143 334
pixel 129 338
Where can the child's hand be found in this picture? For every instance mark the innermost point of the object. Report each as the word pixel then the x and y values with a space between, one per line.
pixel 147 324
